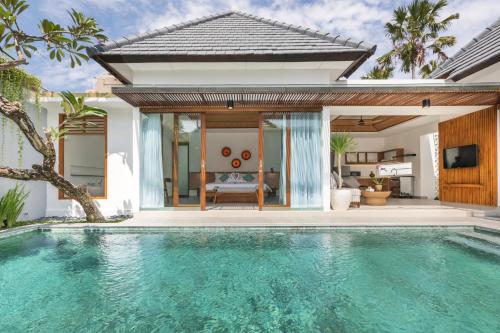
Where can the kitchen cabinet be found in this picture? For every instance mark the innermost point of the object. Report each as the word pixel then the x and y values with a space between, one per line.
pixel 362 157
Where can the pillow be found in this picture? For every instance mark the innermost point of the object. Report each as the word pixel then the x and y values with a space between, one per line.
pixel 351 182
pixel 251 178
pixel 333 183
pixel 334 180
pixel 221 177
pixel 235 178
pixel 248 177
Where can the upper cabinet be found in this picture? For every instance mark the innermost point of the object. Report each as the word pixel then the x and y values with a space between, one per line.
pixel 393 155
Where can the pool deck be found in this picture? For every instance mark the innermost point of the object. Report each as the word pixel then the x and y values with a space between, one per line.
pixel 418 213
pixel 398 217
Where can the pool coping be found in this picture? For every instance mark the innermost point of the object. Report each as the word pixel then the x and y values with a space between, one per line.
pixel 162 228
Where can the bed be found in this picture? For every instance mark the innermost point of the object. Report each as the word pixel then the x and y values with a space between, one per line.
pixel 235 187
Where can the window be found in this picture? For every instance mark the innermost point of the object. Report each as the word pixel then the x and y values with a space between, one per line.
pixel 82 156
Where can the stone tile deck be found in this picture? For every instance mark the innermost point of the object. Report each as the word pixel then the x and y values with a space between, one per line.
pixel 394 215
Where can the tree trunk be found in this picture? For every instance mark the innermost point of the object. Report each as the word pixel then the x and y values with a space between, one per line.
pixel 77 193
pixel 413 72
pixel 44 172
pixel 339 170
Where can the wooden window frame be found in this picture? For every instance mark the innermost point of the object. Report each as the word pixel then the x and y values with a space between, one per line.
pixel 61 195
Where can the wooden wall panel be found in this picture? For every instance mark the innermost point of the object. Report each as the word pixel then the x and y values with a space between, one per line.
pixel 476 185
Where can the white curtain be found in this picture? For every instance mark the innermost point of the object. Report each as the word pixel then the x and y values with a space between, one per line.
pixel 151 162
pixel 306 163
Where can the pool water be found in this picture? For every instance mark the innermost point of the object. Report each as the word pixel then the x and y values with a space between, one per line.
pixel 247 280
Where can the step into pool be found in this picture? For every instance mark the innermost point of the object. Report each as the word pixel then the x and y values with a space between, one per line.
pixel 249 280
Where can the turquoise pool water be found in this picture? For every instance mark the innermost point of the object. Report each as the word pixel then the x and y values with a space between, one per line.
pixel 245 280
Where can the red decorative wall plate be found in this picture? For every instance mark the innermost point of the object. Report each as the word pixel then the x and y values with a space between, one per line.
pixel 246 155
pixel 236 163
pixel 226 151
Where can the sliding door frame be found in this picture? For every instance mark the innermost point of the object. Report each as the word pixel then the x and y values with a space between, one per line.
pixel 203 156
pixel 260 195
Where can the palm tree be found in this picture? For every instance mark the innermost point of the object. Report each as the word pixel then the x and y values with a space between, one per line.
pixel 379 73
pixel 341 143
pixel 415 32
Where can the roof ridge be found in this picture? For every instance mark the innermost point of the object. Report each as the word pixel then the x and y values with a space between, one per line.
pixel 307 31
pixel 335 39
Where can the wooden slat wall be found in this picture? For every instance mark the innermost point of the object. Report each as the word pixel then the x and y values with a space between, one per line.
pixel 476 185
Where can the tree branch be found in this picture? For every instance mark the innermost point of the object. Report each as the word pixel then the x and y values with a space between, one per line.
pixel 15 112
pixel 12 64
pixel 20 174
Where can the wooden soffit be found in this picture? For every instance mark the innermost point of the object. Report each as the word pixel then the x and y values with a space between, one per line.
pixel 372 124
pixel 452 94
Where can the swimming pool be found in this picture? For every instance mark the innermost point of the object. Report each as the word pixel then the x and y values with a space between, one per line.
pixel 250 280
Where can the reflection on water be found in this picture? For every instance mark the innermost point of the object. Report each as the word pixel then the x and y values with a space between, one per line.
pixel 247 280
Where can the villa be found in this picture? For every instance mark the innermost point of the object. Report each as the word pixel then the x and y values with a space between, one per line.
pixel 237 96
pixel 217 140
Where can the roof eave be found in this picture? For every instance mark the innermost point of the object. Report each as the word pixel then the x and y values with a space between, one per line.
pixel 472 69
pixel 254 57
pixel 357 63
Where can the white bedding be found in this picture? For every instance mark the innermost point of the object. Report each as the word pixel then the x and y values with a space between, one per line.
pixel 236 188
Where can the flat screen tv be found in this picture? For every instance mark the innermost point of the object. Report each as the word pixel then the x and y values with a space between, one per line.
pixel 460 157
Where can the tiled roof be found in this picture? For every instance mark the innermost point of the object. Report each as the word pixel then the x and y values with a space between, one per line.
pixel 233 33
pixel 481 52
pixel 234 36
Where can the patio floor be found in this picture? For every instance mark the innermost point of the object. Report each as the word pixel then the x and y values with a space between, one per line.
pixel 398 213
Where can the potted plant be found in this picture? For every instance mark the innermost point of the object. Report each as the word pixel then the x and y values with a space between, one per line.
pixel 378 182
pixel 341 143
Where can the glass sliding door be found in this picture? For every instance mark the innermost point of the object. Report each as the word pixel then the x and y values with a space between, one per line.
pixel 171 160
pixel 187 159
pixel 167 151
pixel 276 159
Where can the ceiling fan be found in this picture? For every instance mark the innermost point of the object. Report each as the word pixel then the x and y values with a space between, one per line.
pixel 363 122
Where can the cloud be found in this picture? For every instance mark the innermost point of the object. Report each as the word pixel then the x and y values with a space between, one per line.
pixel 358 19
pixel 58 76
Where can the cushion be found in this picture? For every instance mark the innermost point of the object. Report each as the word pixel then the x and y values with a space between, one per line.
pixel 250 177
pixel 333 183
pixel 351 182
pixel 221 177
pixel 335 179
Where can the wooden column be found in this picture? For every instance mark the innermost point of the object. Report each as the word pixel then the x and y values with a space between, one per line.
pixel 288 162
pixel 203 158
pixel 175 172
pixel 261 162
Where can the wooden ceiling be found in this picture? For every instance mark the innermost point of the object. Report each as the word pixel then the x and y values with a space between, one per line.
pixel 371 124
pixel 166 99
pixel 340 124
pixel 233 120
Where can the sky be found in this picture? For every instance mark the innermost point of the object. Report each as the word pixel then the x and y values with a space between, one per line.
pixel 357 19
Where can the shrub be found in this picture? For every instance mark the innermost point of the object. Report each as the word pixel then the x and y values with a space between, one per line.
pixel 11 205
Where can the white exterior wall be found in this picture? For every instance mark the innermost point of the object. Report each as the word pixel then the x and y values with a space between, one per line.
pixel 315 72
pixel 325 163
pixel 36 202
pixel 122 163
pixel 488 74
pixel 213 77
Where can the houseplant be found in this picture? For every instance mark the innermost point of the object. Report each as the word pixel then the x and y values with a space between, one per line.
pixel 378 182
pixel 341 143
